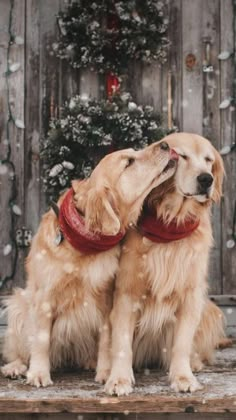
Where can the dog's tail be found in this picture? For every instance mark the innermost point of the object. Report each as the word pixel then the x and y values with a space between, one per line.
pixel 14 346
pixel 211 332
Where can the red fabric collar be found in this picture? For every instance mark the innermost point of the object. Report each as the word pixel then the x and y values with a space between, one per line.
pixel 72 226
pixel 158 231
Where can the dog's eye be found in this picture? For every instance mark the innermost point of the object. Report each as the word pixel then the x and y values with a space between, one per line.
pixel 184 156
pixel 208 159
pixel 130 161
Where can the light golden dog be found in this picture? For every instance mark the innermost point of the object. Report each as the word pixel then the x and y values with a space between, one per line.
pixel 161 312
pixel 63 313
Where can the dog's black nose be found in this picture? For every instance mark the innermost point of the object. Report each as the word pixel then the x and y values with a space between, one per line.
pixel 164 146
pixel 205 180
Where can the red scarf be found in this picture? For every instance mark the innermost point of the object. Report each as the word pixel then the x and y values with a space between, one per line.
pixel 72 226
pixel 158 231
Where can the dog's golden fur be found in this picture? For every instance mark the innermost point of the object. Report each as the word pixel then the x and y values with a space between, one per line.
pixel 161 312
pixel 62 315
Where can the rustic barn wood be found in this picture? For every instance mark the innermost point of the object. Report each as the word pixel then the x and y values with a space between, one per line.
pixel 17 55
pixel 210 43
pixel 75 392
pixel 6 184
pixel 175 60
pixel 49 74
pixel 32 115
pixel 89 83
pixel 16 99
pixel 228 43
pixel 197 34
pixel 191 100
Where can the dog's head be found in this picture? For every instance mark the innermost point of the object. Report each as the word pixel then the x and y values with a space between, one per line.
pixel 200 168
pixel 113 195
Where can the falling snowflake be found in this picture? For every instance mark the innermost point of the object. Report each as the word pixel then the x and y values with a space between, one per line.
pixel 19 40
pixel 224 55
pixel 229 311
pixel 16 209
pixel 7 249
pixel 230 243
pixel 225 103
pixel 19 123
pixel 132 106
pixel 13 68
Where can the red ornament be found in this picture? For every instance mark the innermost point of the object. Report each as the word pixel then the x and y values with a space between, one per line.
pixel 112 82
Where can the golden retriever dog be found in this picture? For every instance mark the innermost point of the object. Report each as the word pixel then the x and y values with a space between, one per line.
pixel 61 317
pixel 161 312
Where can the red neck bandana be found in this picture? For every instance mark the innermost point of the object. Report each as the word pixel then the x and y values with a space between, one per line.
pixel 158 231
pixel 72 226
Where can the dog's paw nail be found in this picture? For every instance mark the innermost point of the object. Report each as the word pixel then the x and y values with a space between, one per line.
pixel 14 369
pixel 119 386
pixel 102 376
pixel 186 384
pixel 38 379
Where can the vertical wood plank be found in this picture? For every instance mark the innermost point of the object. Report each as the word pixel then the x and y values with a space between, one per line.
pixel 69 77
pixel 175 60
pixel 134 81
pixel 49 77
pixel 16 98
pixel 5 181
pixel 89 83
pixel 165 78
pixel 32 130
pixel 228 43
pixel 17 91
pixel 148 82
pixel 211 118
pixel 192 80
pixel 69 82
pixel 151 89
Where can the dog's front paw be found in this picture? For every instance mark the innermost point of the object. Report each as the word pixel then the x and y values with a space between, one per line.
pixel 38 378
pixel 119 385
pixel 182 383
pixel 14 369
pixel 102 375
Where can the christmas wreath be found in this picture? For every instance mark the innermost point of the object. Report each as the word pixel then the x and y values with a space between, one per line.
pixel 87 130
pixel 105 35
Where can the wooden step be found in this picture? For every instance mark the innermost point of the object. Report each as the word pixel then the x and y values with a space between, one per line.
pixel 76 392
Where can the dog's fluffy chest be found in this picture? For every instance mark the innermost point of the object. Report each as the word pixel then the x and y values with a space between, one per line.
pixel 167 274
pixel 80 315
pixel 100 269
pixel 167 269
pixel 85 279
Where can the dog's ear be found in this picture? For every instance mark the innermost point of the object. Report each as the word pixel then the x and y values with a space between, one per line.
pixel 218 174
pixel 101 214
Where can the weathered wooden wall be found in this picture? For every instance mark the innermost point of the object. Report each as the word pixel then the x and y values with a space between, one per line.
pixel 199 27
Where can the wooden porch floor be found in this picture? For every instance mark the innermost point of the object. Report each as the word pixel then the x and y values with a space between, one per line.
pixel 76 392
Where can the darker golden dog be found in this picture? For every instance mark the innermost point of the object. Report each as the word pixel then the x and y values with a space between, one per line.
pixel 62 315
